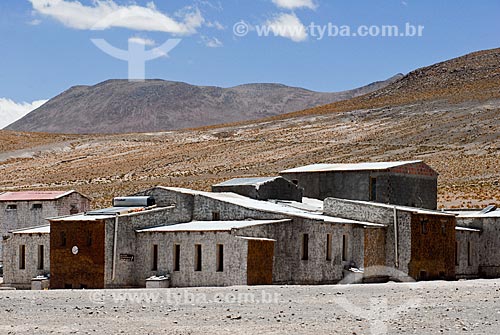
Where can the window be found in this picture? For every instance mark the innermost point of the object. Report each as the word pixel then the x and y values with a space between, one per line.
pixel 220 257
pixel 177 257
pixel 469 253
pixel 11 207
pixel 22 257
pixel 328 247
pixel 344 248
pixel 36 206
pixel 89 239
pixel 305 247
pixel 73 210
pixel 456 254
pixel 215 216
pixel 443 229
pixel 197 257
pixel 63 239
pixel 40 257
pixel 295 181
pixel 423 224
pixel 154 265
pixel 373 189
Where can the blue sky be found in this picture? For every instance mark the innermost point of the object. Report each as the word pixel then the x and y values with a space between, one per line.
pixel 46 46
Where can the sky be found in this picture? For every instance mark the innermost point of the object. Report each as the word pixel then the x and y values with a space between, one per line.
pixel 47 46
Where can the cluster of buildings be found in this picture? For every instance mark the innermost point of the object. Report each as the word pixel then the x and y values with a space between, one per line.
pixel 311 225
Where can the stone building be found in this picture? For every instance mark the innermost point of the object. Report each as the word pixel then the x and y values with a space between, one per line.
pixel 27 255
pixel 478 243
pixel 261 188
pixel 418 242
pixel 125 248
pixel 411 183
pixel 31 208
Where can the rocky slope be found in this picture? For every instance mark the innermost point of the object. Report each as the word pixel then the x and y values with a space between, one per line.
pixel 120 106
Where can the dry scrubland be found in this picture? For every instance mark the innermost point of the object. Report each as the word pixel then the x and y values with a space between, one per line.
pixel 464 307
pixel 446 114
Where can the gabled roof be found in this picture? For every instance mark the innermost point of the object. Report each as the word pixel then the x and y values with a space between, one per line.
pixel 370 166
pixel 247 181
pixel 34 195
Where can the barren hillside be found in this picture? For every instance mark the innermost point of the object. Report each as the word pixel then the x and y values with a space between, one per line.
pixel 121 106
pixel 456 130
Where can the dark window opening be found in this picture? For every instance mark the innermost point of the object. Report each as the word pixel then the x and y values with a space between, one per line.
pixel 63 239
pixel 373 189
pixel 344 248
pixel 40 257
pixel 36 206
pixel 305 247
pixel 197 257
pixel 154 266
pixel 73 210
pixel 424 226
pixel 328 247
pixel 22 257
pixel 469 254
pixel 443 229
pixel 11 207
pixel 89 239
pixel 177 257
pixel 295 181
pixel 220 257
pixel 215 216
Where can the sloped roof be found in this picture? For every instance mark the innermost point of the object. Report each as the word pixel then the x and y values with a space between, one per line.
pixel 247 181
pixel 370 166
pixel 45 229
pixel 34 195
pixel 208 226
pixel 268 206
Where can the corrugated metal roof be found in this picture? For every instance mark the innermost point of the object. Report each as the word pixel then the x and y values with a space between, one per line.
pixel 208 226
pixel 34 230
pixel 33 195
pixel 247 181
pixel 82 217
pixel 349 167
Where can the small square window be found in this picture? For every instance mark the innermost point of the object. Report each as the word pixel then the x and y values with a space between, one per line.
pixel 36 206
pixel 11 207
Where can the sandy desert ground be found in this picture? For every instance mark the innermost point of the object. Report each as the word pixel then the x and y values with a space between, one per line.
pixel 461 307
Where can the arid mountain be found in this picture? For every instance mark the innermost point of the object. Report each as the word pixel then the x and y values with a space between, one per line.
pixel 120 106
pixel 446 114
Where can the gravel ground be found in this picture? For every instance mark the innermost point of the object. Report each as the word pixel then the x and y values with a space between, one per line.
pixel 463 307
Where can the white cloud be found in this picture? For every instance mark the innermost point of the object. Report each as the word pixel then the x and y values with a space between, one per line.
pixel 293 4
pixel 213 42
pixel 106 14
pixel 216 24
pixel 11 111
pixel 288 26
pixel 143 41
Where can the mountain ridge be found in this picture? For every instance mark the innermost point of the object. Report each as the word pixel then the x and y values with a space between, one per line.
pixel 121 106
